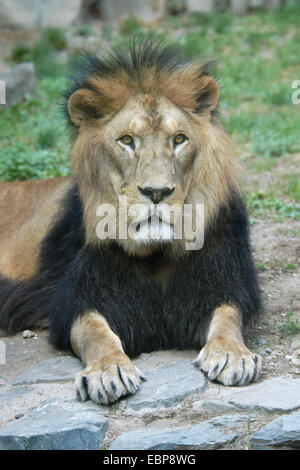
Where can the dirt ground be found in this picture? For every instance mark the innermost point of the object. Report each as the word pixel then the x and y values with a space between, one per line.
pixel 276 247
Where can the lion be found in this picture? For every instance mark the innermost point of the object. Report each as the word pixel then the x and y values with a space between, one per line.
pixel 144 129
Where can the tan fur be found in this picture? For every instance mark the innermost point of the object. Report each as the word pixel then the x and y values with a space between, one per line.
pixel 27 209
pixel 92 339
pixel 109 373
pixel 206 179
pixel 152 106
pixel 225 357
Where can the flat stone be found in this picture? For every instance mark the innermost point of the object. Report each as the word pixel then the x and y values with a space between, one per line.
pixel 56 426
pixel 168 385
pixel 118 10
pixel 56 369
pixel 13 393
pixel 28 334
pixel 19 81
pixel 282 433
pixel 229 420
pixel 275 394
pixel 205 435
pixel 31 14
pixel 202 6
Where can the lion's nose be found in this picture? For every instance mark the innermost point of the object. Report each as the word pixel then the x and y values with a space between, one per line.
pixel 156 194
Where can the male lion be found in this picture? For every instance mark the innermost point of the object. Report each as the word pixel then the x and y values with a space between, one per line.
pixel 143 126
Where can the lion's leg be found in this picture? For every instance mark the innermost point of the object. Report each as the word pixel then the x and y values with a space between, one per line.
pixel 225 357
pixel 109 374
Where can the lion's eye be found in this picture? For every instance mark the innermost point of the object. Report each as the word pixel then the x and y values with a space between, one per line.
pixel 127 140
pixel 179 139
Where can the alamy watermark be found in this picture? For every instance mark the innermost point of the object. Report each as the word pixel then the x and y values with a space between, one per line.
pixel 296 94
pixel 144 223
pixel 2 92
pixel 2 353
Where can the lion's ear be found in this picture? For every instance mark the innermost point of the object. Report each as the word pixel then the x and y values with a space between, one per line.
pixel 82 105
pixel 208 97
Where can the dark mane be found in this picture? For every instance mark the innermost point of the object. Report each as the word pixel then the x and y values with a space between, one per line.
pixel 150 57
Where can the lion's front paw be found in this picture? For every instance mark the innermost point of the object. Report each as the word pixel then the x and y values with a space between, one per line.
pixel 105 382
pixel 229 364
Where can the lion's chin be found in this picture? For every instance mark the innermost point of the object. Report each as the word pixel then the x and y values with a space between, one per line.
pixel 153 230
pixel 147 238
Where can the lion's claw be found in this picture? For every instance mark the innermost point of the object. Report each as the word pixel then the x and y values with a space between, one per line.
pixel 235 365
pixel 105 385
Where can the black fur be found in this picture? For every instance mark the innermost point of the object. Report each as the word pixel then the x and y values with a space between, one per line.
pixel 120 287
pixel 75 277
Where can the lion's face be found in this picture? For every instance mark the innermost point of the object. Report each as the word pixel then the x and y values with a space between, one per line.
pixel 150 147
pixel 146 144
pixel 145 153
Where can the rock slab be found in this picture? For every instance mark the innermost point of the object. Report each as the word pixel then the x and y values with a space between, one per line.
pixel 275 394
pixel 30 14
pixel 19 81
pixel 145 11
pixel 56 369
pixel 168 385
pixel 282 433
pixel 13 393
pixel 56 426
pixel 205 435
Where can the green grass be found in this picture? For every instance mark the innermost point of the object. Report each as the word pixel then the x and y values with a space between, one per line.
pixel 257 59
pixel 261 204
pixel 262 164
pixel 85 31
pixel 33 140
pixel 130 26
pixel 43 52
pixel 261 267
pixel 293 189
pixel 53 38
pixel 21 53
pixel 47 137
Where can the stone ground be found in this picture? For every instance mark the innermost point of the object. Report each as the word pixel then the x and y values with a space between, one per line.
pixel 176 408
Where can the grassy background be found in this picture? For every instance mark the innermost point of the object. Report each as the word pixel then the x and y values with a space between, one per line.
pixel 257 61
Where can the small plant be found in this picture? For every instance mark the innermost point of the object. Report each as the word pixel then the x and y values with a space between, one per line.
pixel 261 203
pixel 47 137
pixel 293 189
pixel 291 325
pixel 85 31
pixel 54 38
pixel 219 22
pixel 21 53
pixel 130 26
pixel 261 267
pixel 45 50
pixel 290 267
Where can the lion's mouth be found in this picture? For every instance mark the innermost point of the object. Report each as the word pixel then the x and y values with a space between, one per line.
pixel 149 221
pixel 154 228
